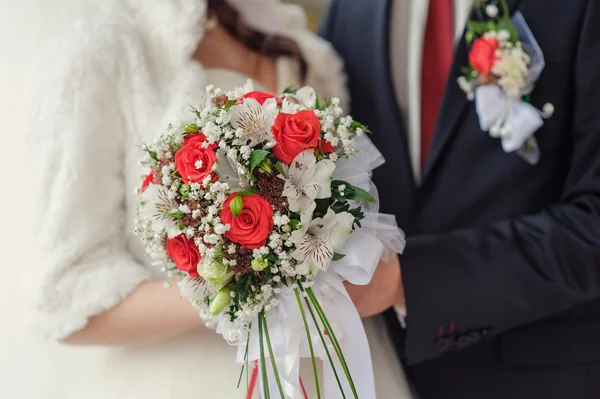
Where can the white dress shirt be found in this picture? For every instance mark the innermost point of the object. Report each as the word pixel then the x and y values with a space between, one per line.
pixel 407 30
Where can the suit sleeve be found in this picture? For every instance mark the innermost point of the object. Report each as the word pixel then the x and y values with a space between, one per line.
pixel 498 277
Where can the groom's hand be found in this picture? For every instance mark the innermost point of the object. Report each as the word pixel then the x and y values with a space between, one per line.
pixel 384 291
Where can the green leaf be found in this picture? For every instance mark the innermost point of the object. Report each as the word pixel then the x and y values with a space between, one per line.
pixel 469 37
pixel 507 23
pixel 180 226
pixel 279 168
pixel 236 205
pixel 256 158
pixel 151 153
pixel 230 104
pixel 294 223
pixel 477 27
pixel 247 192
pixel 360 195
pixel 337 256
pixel 176 214
pixel 265 166
pixel 193 128
pixel 184 190
pixel 290 90
pixel 357 125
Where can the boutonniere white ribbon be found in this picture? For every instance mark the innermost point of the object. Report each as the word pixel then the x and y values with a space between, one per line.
pixel 501 90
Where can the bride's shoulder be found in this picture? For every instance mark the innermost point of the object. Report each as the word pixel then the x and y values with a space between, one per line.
pixel 95 40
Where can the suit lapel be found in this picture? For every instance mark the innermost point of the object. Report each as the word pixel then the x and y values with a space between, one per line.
pixel 454 106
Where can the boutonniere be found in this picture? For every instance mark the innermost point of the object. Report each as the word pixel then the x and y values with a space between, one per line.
pixel 505 62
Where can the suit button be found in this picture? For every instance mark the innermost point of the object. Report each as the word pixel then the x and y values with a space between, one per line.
pixel 475 336
pixel 443 345
pixel 464 341
pixel 469 339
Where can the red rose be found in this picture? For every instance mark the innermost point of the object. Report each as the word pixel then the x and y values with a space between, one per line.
pixel 254 223
pixel 185 254
pixel 483 55
pixel 147 180
pixel 326 147
pixel 294 134
pixel 259 96
pixel 193 161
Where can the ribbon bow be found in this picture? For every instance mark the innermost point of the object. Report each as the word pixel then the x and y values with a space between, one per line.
pixel 289 339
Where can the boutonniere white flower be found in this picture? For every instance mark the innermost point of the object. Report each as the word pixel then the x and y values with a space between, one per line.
pixel 307 180
pixel 505 63
pixel 317 240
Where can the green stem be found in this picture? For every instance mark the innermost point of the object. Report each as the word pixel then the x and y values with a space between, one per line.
pixel 337 378
pixel 263 363
pixel 245 365
pixel 333 338
pixel 310 345
pixel 262 317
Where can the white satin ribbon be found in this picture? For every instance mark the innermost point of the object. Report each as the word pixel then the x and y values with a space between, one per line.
pixel 514 122
pixel 287 332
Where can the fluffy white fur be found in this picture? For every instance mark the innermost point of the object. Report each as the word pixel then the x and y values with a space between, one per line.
pixel 103 88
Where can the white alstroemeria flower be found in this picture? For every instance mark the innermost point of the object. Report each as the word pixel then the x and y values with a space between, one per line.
pixel 317 240
pixel 195 289
pixel 156 206
pixel 307 180
pixel 254 120
pixel 305 98
pixel 227 169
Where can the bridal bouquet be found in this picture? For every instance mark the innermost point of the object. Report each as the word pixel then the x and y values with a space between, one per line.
pixel 261 207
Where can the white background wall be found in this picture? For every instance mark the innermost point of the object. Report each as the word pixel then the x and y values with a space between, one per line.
pixel 29 369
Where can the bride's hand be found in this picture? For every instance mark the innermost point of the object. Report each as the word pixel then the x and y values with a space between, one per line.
pixel 384 291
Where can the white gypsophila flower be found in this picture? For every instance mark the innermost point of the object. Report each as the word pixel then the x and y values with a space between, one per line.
pixel 156 205
pixel 241 91
pixel 255 120
pixel 307 180
pixel 317 240
pixel 220 228
pixel 503 35
pixel 184 208
pixel 467 86
pixel 491 10
pixel 512 68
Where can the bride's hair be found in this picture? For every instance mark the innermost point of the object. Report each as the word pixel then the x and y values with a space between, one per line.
pixel 269 45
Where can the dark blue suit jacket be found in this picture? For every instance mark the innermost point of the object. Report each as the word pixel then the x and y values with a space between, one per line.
pixel 502 268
